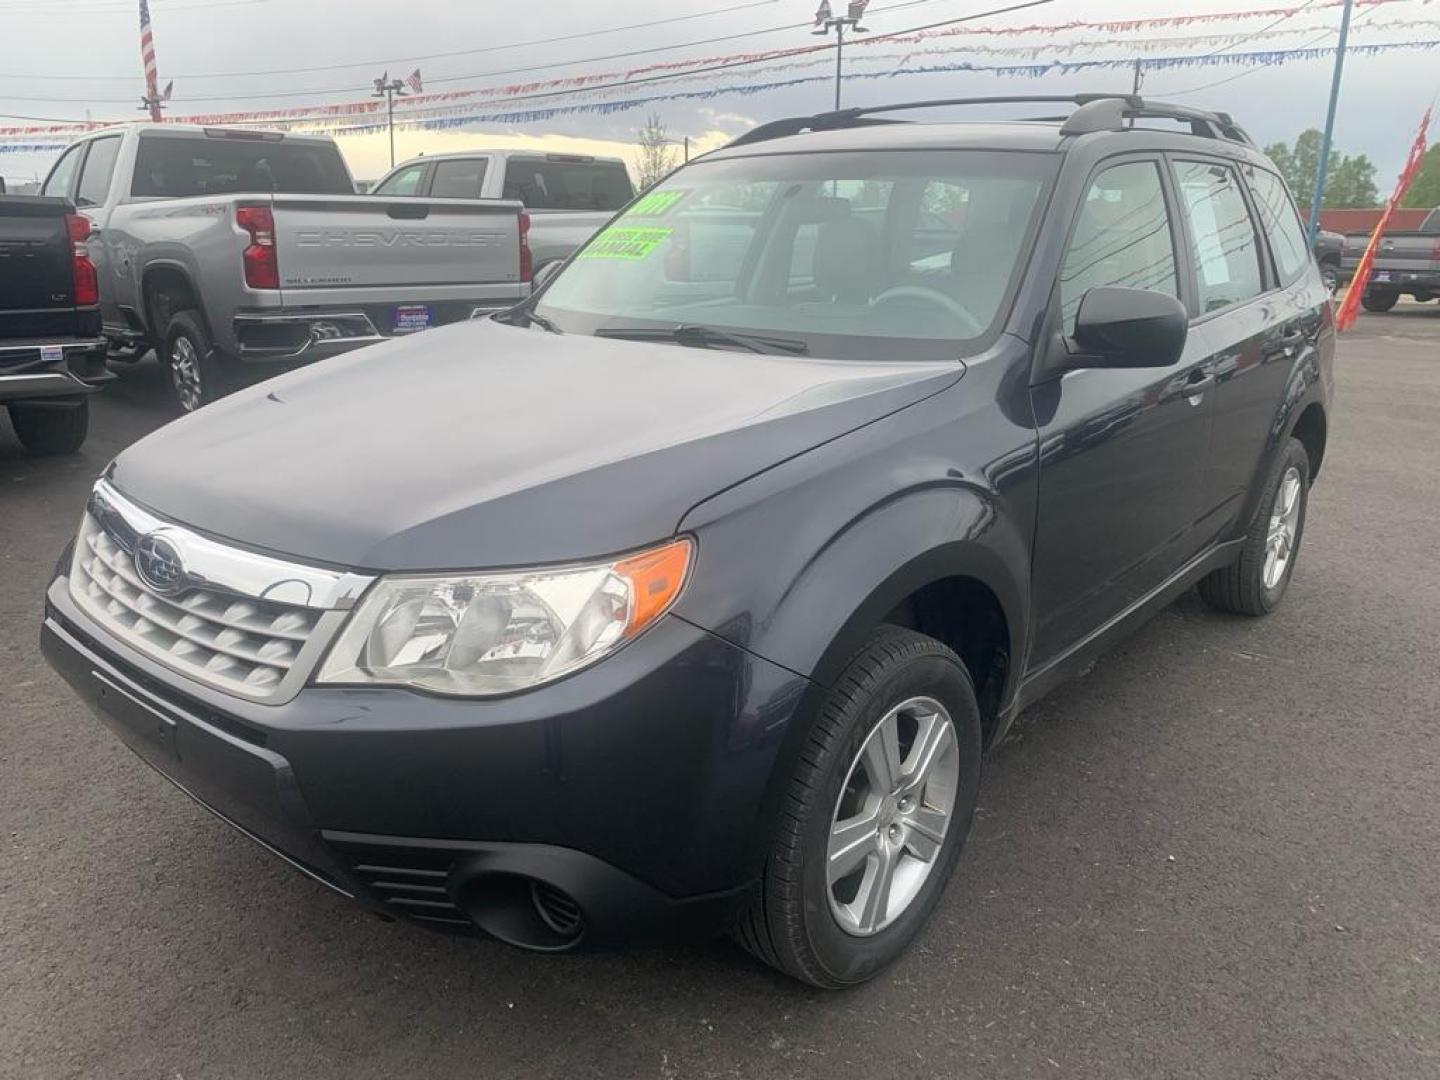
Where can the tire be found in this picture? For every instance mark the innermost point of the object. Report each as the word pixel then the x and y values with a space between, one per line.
pixel 800 922
pixel 1249 586
pixel 1330 275
pixel 196 376
pixel 51 429
pixel 1378 302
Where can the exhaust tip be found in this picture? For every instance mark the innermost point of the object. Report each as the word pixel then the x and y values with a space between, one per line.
pixel 524 911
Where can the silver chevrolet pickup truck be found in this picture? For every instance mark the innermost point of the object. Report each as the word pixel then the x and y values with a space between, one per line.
pixel 568 196
pixel 227 250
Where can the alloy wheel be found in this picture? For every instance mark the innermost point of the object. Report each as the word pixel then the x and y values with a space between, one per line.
pixel 892 815
pixel 1284 528
pixel 185 374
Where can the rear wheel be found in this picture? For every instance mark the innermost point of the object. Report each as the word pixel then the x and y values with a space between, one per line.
pixel 875 815
pixel 1378 302
pixel 1256 582
pixel 51 429
pixel 196 377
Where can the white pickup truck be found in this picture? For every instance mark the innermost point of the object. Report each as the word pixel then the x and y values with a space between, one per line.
pixel 568 196
pixel 233 249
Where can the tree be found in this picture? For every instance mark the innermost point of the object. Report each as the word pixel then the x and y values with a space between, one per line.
pixel 1425 188
pixel 1349 181
pixel 657 156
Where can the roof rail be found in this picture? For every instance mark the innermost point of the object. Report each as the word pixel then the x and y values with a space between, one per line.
pixel 1093 112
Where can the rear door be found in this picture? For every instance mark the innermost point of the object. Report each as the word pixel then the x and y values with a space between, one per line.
pixel 92 196
pixel 1122 452
pixel 1254 327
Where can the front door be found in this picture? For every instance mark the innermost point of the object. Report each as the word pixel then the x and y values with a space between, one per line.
pixel 1122 452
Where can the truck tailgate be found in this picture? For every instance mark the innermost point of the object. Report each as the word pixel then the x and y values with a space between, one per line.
pixel 357 242
pixel 35 280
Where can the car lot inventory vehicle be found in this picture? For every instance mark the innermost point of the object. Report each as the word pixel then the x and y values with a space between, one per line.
pixel 568 196
pixel 1407 263
pixel 52 355
pixel 694 596
pixel 233 251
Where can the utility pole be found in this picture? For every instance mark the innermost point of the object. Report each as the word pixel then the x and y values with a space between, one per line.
pixel 1323 166
pixel 825 22
pixel 1135 85
pixel 387 88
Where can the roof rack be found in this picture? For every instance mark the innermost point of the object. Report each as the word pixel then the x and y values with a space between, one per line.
pixel 1093 112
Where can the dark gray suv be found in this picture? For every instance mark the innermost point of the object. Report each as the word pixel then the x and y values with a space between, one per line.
pixel 689 595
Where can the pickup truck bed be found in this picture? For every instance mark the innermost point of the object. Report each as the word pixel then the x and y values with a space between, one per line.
pixel 1406 264
pixel 231 251
pixel 52 354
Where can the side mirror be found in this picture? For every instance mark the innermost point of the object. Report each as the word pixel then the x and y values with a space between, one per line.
pixel 1127 328
pixel 544 274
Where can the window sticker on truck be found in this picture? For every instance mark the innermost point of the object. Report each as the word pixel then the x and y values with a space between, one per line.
pixel 626 242
pixel 657 203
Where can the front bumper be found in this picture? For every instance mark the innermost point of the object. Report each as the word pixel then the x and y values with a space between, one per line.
pixel 631 790
pixel 52 369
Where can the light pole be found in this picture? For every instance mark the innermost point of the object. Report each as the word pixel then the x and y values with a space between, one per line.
pixel 387 88
pixel 825 22
pixel 1323 165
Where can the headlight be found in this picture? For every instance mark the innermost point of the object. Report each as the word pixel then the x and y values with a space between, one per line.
pixel 483 634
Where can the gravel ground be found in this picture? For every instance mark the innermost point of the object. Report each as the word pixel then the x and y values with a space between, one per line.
pixel 1213 856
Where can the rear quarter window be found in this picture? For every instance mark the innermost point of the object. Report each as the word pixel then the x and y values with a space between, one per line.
pixel 1281 223
pixel 180 167
pixel 546 184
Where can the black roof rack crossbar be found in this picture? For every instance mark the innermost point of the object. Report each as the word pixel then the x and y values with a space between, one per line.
pixel 1093 112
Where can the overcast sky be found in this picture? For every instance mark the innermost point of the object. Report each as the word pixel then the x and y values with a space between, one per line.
pixel 207 45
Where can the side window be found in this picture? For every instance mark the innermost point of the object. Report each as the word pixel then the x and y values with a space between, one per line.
pixel 458 179
pixel 1123 237
pixel 402 183
pixel 58 182
pixel 1227 251
pixel 99 168
pixel 1280 222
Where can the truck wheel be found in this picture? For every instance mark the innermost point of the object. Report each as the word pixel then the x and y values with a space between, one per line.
pixel 1255 583
pixel 1330 274
pixel 51 429
pixel 874 816
pixel 1378 302
pixel 196 376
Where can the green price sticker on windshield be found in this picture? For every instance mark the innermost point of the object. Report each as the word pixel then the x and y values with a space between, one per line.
pixel 626 242
pixel 657 203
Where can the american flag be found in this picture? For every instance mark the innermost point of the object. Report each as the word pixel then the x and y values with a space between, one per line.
pixel 147 55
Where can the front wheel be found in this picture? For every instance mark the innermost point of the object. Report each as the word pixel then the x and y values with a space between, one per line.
pixel 874 817
pixel 1256 582
pixel 1378 302
pixel 1330 275
pixel 51 429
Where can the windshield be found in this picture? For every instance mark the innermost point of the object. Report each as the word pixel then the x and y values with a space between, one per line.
pixel 915 250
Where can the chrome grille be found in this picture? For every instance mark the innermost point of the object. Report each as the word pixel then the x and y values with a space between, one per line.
pixel 257 646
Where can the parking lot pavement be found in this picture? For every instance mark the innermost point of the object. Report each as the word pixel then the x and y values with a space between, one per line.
pixel 1213 856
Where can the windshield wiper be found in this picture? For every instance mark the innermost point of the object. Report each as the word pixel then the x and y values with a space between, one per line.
pixel 708 337
pixel 541 321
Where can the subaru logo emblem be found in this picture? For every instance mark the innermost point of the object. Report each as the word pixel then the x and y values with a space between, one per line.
pixel 158 564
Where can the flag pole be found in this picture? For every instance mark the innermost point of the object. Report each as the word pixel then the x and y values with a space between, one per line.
pixel 1313 225
pixel 152 99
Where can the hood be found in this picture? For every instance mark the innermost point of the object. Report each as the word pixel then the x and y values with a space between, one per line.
pixel 484 445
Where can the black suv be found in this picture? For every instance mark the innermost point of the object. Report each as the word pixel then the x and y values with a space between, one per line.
pixel 689 594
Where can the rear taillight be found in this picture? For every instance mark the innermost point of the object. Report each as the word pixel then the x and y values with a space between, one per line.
pixel 85 286
pixel 262 265
pixel 527 258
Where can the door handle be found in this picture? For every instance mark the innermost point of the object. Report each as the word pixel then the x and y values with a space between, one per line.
pixel 1196 385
